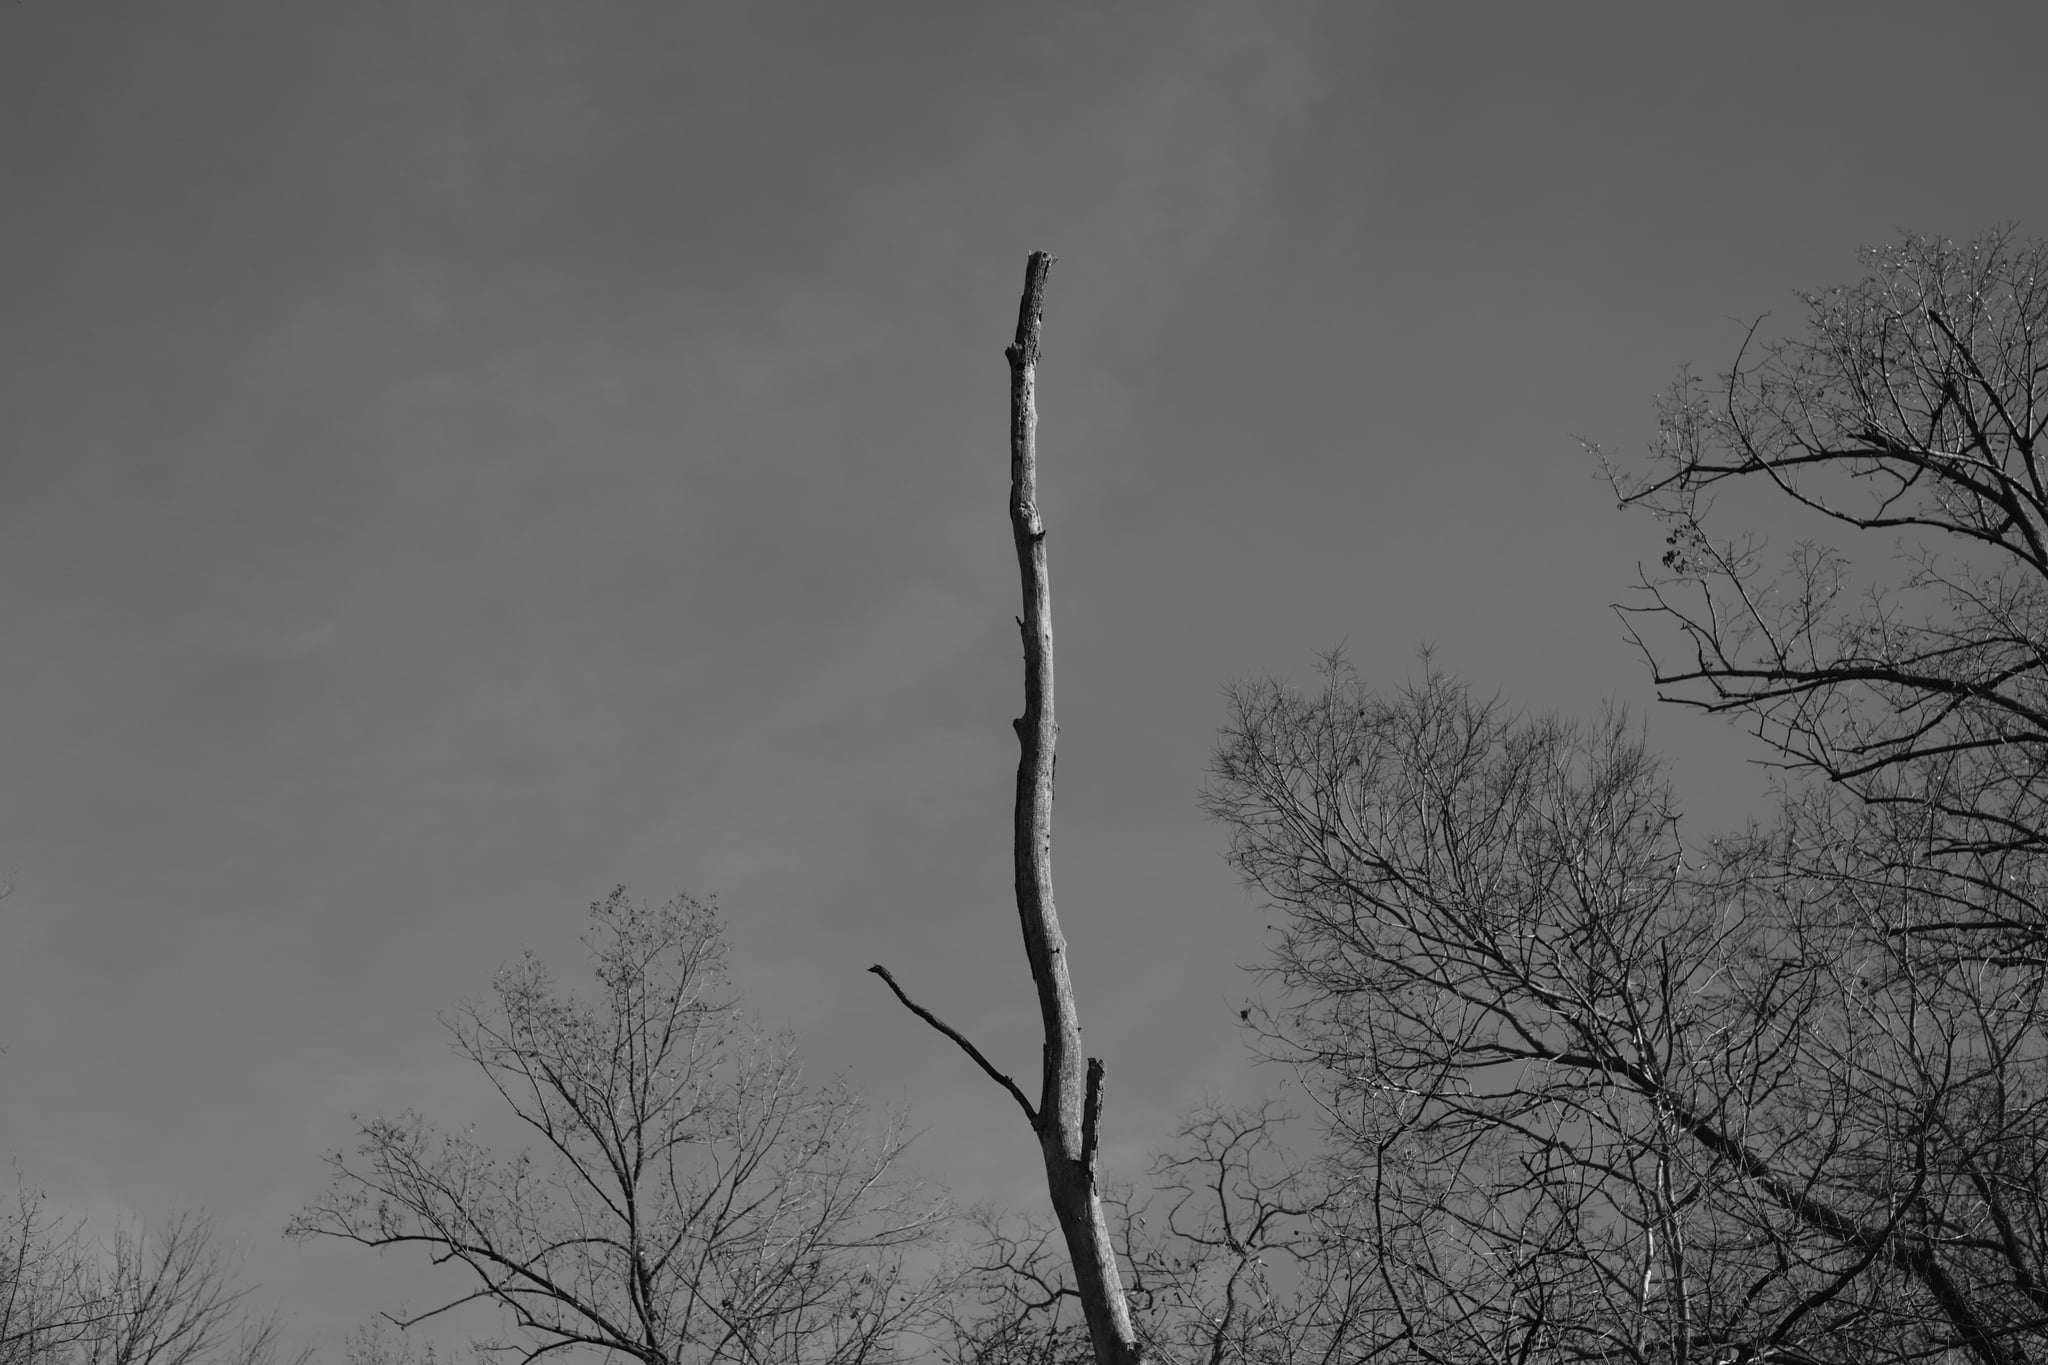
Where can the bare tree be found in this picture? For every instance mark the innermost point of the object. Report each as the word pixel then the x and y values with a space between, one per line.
pixel 1903 652
pixel 1068 1111
pixel 696 1201
pixel 171 1301
pixel 162 1297
pixel 1604 1099
pixel 49 1296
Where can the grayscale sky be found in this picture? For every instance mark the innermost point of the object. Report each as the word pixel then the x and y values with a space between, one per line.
pixel 459 456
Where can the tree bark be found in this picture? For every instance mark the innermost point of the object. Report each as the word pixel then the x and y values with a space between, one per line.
pixel 1069 1107
pixel 1070 1104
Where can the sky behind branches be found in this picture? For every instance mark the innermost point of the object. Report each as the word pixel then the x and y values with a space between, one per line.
pixel 455 458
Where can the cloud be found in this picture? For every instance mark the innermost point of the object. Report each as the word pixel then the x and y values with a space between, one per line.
pixel 1186 156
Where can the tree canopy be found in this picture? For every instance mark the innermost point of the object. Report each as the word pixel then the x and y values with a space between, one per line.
pixel 695 1198
pixel 1899 651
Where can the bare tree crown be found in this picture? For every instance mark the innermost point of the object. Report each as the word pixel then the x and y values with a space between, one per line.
pixel 1900 652
pixel 694 1198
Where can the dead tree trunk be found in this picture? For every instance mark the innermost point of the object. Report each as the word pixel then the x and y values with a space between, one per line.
pixel 1069 1107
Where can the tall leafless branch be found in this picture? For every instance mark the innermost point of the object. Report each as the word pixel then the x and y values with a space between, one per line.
pixel 1064 1118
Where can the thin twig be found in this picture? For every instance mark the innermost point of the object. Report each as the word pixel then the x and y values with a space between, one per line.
pixel 965 1046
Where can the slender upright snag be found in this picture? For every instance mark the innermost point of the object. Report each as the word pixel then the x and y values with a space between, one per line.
pixel 1069 1104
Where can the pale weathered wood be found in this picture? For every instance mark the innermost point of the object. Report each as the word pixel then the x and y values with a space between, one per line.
pixel 1070 1090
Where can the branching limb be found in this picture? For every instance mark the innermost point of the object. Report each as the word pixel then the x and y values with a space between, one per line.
pixel 965 1046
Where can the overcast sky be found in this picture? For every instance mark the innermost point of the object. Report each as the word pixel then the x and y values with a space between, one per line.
pixel 459 456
